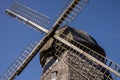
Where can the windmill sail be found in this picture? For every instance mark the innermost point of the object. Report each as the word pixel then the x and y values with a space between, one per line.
pixel 68 14
pixel 21 62
pixel 81 50
pixel 32 18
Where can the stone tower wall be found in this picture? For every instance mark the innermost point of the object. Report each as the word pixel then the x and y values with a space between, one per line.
pixel 68 68
pixel 60 67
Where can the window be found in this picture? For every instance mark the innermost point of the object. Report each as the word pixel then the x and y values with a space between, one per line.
pixel 54 75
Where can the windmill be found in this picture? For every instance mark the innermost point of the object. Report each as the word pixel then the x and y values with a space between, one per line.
pixel 74 7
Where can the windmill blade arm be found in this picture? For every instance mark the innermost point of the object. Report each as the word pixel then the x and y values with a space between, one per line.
pixel 70 12
pixel 28 16
pixel 22 61
pixel 77 49
pixel 26 21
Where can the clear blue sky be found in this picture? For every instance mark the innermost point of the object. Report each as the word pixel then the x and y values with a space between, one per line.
pixel 100 18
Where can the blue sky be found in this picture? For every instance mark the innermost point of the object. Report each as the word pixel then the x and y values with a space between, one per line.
pixel 100 18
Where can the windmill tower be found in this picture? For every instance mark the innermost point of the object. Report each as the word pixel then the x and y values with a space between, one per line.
pixel 65 53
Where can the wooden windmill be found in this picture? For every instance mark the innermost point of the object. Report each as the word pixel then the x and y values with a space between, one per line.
pixel 80 57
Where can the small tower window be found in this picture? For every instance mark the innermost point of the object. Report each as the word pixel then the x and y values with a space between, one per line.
pixel 54 75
